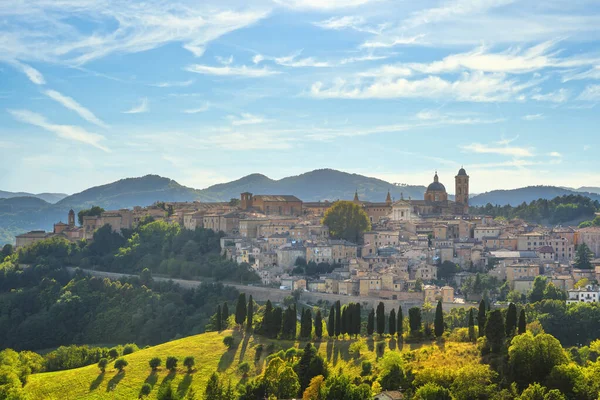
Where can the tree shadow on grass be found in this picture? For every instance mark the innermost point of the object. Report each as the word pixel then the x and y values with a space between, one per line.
pixel 329 350
pixel 226 360
pixel 152 378
pixel 167 379
pixel 371 344
pixel 244 347
pixel 94 385
pixel 336 353
pixel 112 384
pixel 392 344
pixel 184 385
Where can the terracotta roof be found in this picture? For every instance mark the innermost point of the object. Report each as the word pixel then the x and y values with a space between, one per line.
pixel 276 197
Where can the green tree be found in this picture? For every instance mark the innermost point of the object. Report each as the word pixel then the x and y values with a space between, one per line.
pixel 120 364
pixel 311 364
pixel 281 380
pixel 400 322
pixel 102 363
pixel 225 316
pixel 171 363
pixel 95 211
pixel 431 391
pixel 228 341
pixel 241 310
pixel 338 318
pixel 447 270
pixel 318 324
pixel 380 313
pixel 371 322
pixel 439 320
pixel 155 363
pixel 472 337
pixel 250 314
pixel 414 319
pixel 219 319
pixel 214 389
pixel 346 220
pixel 113 353
pixel 554 293
pixel 537 291
pixel 7 250
pixel 583 257
pixel 145 390
pixel 393 378
pixel 189 363
pixel 511 320
pixel 331 322
pixel 392 322
pixel 522 322
pixel 495 330
pixel 481 317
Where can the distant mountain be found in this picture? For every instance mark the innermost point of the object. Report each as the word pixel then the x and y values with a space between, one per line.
pixel 17 204
pixel 49 197
pixel 130 192
pixel 515 197
pixel 589 189
pixel 321 184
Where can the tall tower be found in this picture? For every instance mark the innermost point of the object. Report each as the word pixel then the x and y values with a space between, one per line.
pixel 71 219
pixel 462 188
pixel 388 199
pixel 356 200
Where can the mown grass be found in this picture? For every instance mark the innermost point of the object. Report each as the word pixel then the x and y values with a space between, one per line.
pixel 211 355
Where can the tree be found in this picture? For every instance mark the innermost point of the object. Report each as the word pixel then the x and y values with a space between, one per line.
pixel 189 363
pixel 228 341
pixel 95 211
pixel 511 320
pixel 495 331
pixel 311 364
pixel 400 322
pixel 241 310
pixel 481 318
pixel 225 316
pixel 113 353
pixel 583 255
pixel 155 363
pixel 537 291
pixel 171 363
pixel 432 391
pixel 371 322
pixel 392 322
pixel 120 364
pixel 472 337
pixel 281 380
pixel 219 319
pixel 315 389
pixel 447 270
pixel 145 390
pixel 338 318
pixel 522 322
pixel 331 322
pixel 552 292
pixel 250 314
pixel 214 389
pixel 318 324
pixel 146 277
pixel 380 318
pixel 438 323
pixel 7 250
pixel 346 220
pixel 414 319
pixel 102 363
pixel 393 378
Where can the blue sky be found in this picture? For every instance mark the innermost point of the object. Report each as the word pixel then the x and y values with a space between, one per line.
pixel 204 92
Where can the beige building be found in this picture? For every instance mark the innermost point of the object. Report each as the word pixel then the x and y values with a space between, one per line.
pixel 591 237
pixel 520 271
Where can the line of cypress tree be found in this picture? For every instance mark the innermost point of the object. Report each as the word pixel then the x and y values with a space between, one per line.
pixel 438 323
pixel 338 318
pixel 318 324
pixel 380 318
pixel 331 322
pixel 371 322
pixel 400 322
pixel 240 309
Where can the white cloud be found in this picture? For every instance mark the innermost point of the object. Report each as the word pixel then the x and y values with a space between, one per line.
pixel 73 105
pixel 225 61
pixel 323 5
pixel 293 61
pixel 533 117
pixel 558 96
pixel 341 22
pixel 242 71
pixel 33 74
pixel 69 132
pixel 246 119
pixel 395 41
pixel 257 59
pixel 173 84
pixel 590 93
pixel 500 150
pixel 451 10
pixel 506 141
pixel 555 154
pixel 201 109
pixel 142 107
pixel 593 73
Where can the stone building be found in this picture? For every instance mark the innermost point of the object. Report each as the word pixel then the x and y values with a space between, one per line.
pixel 271 204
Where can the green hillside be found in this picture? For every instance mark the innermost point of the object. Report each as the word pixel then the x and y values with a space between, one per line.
pixel 211 355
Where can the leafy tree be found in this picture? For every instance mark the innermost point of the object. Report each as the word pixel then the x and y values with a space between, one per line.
pixel 241 310
pixel 113 353
pixel 392 322
pixel 120 364
pixel 189 363
pixel 130 348
pixel 346 220
pixel 400 322
pixel 280 379
pixel 431 391
pixel 366 368
pixel 155 363
pixel 439 320
pixel 316 389
pixel 244 368
pixel 537 291
pixel 393 378
pixel 318 324
pixel 310 365
pixel 250 314
pixel 171 363
pixel 583 257
pixel 7 250
pixel 102 364
pixel 511 320
pixel 554 293
pixel 380 313
pixel 228 341
pixel 569 379
pixel 214 388
pixel 495 331
pixel 145 390
pixel 447 270
pixel 472 337
pixel 481 318
pixel 414 319
pixel 331 322
pixel 474 382
pixel 95 211
pixel 522 322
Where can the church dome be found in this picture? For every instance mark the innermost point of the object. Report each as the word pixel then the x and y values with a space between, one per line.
pixel 436 187
pixel 462 172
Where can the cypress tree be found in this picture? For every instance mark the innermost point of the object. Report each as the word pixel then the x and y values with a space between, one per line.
pixel 250 314
pixel 318 325
pixel 240 309
pixel 400 322
pixel 225 314
pixel 338 318
pixel 438 323
pixel 471 326
pixel 392 322
pixel 357 319
pixel 495 330
pixel 481 318
pixel 267 323
pixel 331 322
pixel 371 322
pixel 511 320
pixel 277 325
pixel 414 319
pixel 219 320
pixel 293 319
pixel 309 323
pixel 344 326
pixel 380 318
pixel 522 322
pixel 351 327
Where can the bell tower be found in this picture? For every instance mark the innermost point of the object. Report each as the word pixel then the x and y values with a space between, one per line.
pixel 461 194
pixel 71 219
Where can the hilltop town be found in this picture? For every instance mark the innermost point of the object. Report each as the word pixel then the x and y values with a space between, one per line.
pixel 417 250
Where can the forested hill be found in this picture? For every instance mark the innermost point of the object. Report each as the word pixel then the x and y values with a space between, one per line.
pixel 49 197
pixel 515 197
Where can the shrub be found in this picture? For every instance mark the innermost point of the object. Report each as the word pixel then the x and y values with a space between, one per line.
pixel 171 363
pixel 155 363
pixel 189 363
pixel 130 348
pixel 145 390
pixel 113 353
pixel 120 364
pixel 367 368
pixel 244 369
pixel 228 341
pixel 102 364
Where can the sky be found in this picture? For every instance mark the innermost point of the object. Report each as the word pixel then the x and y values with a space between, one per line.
pixel 208 91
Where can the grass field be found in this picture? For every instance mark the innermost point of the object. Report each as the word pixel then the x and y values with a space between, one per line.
pixel 211 355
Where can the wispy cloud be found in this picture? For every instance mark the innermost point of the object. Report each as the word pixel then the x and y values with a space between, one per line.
pixel 71 104
pixel 245 119
pixel 593 73
pixel 141 107
pixel 555 154
pixel 33 74
pixel 451 10
pixel 392 42
pixel 558 96
pixel 293 60
pixel 201 109
pixel 173 84
pixel 504 141
pixel 533 117
pixel 500 150
pixel 69 132
pixel 590 93
pixel 225 61
pixel 356 23
pixel 323 5
pixel 241 71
